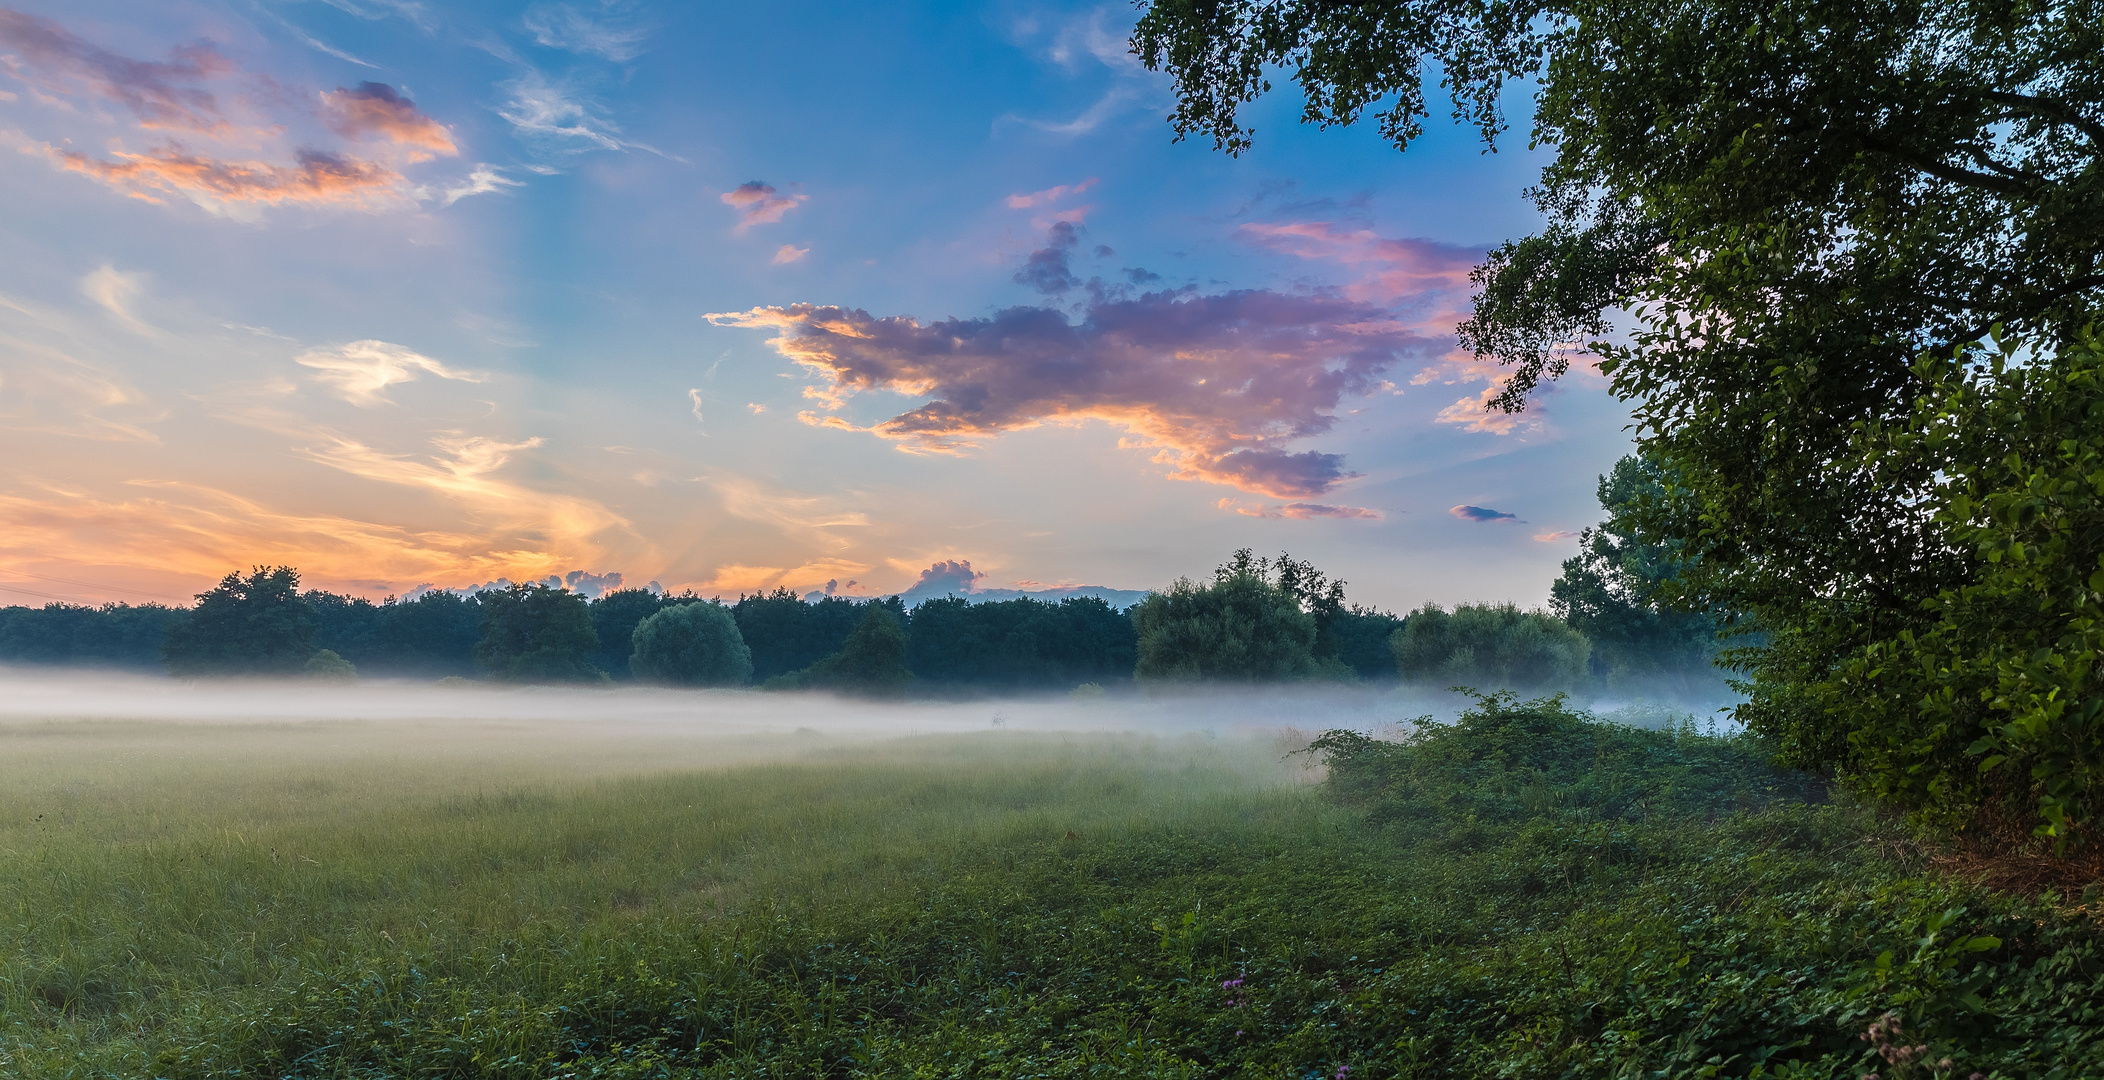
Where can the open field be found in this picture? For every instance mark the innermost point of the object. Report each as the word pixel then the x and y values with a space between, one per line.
pixel 913 891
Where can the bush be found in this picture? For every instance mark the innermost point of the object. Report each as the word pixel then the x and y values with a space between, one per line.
pixel 1489 645
pixel 693 644
pixel 326 666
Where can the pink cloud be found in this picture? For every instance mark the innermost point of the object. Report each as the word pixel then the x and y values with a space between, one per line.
pixel 1426 281
pixel 760 204
pixel 316 179
pixel 1219 386
pixel 1557 537
pixel 1049 195
pixel 376 109
pixel 789 253
pixel 52 58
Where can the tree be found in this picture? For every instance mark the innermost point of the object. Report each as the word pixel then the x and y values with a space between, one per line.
pixel 1489 646
pixel 432 635
pixel 693 644
pixel 1799 201
pixel 1609 591
pixel 788 634
pixel 254 625
pixel 1241 628
pixel 1020 643
pixel 615 617
pixel 871 663
pixel 534 633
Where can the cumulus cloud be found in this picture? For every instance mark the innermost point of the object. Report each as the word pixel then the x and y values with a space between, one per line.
pixel 601 33
pixel 377 109
pixel 1217 385
pixel 951 576
pixel 361 371
pixel 161 94
pixel 789 253
pixel 760 204
pixel 1047 269
pixel 1480 513
pixel 316 178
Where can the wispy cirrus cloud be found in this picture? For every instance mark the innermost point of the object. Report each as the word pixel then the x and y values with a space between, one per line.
pixel 604 29
pixel 759 203
pixel 373 108
pixel 1050 195
pixel 361 371
pixel 1218 385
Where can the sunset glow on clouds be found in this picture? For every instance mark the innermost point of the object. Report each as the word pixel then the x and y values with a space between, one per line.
pixel 414 294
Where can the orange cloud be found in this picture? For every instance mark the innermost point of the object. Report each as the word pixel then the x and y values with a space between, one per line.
pixel 361 371
pixel 376 109
pixel 317 179
pixel 1299 511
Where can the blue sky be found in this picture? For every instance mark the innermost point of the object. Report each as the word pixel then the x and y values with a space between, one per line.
pixel 729 298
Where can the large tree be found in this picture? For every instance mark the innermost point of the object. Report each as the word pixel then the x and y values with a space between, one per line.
pixel 1789 203
pixel 256 624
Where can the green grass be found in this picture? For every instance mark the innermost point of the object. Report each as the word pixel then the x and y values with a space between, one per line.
pixel 1524 894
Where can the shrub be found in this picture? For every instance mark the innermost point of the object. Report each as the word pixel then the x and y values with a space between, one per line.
pixel 329 667
pixel 694 644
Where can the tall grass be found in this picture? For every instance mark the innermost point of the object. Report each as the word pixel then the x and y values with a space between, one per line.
pixel 1525 893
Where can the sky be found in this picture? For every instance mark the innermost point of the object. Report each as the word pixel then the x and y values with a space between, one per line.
pixel 837 298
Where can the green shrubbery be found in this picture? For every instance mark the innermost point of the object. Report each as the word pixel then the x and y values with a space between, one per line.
pixel 1495 645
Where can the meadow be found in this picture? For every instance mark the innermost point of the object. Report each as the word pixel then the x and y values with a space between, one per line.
pixel 1527 892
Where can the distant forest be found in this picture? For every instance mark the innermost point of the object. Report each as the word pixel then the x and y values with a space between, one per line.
pixel 1255 619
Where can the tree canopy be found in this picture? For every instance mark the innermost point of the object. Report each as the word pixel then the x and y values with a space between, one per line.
pixel 691 644
pixel 252 625
pixel 1242 627
pixel 534 633
pixel 1794 203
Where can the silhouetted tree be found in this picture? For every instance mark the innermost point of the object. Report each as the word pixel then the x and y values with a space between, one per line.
pixel 254 625
pixel 113 635
pixel 692 644
pixel 787 634
pixel 1609 591
pixel 1026 642
pixel 534 633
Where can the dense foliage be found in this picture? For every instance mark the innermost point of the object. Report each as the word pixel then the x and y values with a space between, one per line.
pixel 1238 628
pixel 535 633
pixel 1021 644
pixel 113 635
pixel 1797 200
pixel 253 625
pixel 1490 645
pixel 693 644
pixel 788 633
pixel 871 662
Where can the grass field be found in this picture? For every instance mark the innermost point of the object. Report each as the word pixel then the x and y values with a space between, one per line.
pixel 1525 894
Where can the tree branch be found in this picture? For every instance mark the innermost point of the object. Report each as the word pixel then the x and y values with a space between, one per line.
pixel 2050 109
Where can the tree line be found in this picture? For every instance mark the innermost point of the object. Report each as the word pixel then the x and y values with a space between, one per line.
pixel 1255 619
